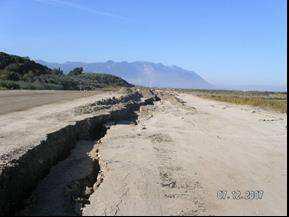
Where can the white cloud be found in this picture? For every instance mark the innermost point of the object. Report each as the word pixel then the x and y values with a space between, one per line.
pixel 82 8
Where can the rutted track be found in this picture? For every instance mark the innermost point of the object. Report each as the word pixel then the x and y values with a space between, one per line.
pixel 168 158
pixel 183 150
pixel 19 178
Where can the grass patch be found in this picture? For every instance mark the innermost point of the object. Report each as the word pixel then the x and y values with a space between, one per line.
pixel 268 103
pixel 276 101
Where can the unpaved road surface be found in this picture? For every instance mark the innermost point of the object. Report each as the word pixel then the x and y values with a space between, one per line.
pixel 171 159
pixel 183 150
pixel 20 100
pixel 42 112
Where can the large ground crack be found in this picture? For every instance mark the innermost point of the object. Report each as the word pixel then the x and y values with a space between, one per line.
pixel 57 176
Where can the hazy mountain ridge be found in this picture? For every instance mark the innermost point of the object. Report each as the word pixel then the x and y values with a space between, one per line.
pixel 141 73
pixel 18 72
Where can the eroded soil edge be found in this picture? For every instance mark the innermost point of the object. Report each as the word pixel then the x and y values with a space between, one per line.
pixel 66 148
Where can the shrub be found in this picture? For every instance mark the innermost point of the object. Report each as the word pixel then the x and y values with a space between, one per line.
pixel 4 84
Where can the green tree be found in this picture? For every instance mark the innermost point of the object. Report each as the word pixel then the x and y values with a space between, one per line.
pixel 76 71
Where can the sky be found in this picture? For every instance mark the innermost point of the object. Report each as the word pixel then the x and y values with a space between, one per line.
pixel 228 42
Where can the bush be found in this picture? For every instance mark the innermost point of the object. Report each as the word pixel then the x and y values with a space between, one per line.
pixel 4 84
pixel 32 75
pixel 76 71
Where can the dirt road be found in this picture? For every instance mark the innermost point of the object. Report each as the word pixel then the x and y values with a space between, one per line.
pixel 26 117
pixel 176 157
pixel 183 151
pixel 20 100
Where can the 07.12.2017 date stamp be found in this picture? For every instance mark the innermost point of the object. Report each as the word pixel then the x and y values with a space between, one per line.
pixel 239 195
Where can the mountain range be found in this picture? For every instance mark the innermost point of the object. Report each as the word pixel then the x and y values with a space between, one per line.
pixel 140 73
pixel 18 72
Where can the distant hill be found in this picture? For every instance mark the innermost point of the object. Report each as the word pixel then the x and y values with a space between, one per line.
pixel 141 73
pixel 22 73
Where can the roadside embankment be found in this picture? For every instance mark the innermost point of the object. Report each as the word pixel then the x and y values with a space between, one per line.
pixel 19 177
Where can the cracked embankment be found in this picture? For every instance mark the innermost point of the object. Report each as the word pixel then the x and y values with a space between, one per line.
pixel 69 183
